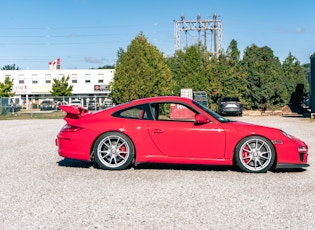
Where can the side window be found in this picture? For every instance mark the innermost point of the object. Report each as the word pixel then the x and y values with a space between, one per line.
pixel 137 112
pixel 172 112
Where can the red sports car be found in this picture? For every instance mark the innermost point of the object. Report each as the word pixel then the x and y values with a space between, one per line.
pixel 174 130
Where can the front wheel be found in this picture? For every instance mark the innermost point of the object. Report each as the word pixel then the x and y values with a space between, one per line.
pixel 113 151
pixel 255 154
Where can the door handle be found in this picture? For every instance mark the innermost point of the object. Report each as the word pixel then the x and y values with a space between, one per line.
pixel 158 131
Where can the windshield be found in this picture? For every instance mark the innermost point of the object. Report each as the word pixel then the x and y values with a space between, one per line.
pixel 211 113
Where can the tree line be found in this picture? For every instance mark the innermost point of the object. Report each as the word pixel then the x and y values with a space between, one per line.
pixel 259 79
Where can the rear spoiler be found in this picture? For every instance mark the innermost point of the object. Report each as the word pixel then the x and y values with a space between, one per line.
pixel 73 112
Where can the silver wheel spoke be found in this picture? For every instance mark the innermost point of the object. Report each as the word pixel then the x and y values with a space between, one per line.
pixel 246 157
pixel 104 155
pixel 247 150
pixel 263 157
pixel 259 162
pixel 104 142
pixel 122 144
pixel 249 147
pixel 260 146
pixel 121 156
pixel 250 160
pixel 115 160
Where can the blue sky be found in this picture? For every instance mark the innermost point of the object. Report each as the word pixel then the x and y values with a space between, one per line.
pixel 88 33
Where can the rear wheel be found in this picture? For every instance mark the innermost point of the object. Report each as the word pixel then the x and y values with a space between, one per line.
pixel 255 154
pixel 113 151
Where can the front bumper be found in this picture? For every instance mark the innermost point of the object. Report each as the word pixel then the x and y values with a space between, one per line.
pixel 291 166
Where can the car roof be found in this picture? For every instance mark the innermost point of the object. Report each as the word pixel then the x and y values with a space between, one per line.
pixel 160 99
pixel 152 100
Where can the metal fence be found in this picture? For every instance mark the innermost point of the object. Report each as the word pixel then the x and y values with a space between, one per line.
pixel 18 103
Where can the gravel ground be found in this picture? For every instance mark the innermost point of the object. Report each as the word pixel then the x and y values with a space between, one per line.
pixel 40 190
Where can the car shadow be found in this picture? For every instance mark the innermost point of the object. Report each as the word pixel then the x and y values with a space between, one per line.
pixel 147 166
pixel 75 163
pixel 154 166
pixel 293 170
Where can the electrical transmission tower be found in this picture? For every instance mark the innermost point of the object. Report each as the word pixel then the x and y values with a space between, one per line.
pixel 214 26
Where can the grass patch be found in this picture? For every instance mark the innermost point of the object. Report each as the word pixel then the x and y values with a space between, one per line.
pixel 33 115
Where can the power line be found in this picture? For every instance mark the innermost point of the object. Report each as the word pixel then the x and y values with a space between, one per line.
pixel 214 26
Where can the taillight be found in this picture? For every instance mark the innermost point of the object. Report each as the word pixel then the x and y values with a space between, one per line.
pixel 70 128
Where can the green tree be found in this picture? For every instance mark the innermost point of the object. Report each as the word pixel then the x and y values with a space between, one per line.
pixel 295 79
pixel 265 78
pixel 188 67
pixel 232 78
pixel 214 85
pixel 6 87
pixel 10 67
pixel 61 87
pixel 107 67
pixel 140 72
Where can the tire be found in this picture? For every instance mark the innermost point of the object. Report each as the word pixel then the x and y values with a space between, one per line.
pixel 114 151
pixel 255 154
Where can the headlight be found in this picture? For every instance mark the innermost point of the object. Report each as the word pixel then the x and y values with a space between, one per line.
pixel 303 149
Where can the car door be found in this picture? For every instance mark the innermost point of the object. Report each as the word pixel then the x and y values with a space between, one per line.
pixel 175 134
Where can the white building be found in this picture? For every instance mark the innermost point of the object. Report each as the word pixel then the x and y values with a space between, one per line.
pixel 32 86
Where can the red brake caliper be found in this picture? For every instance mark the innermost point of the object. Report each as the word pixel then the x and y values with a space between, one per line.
pixel 123 150
pixel 245 154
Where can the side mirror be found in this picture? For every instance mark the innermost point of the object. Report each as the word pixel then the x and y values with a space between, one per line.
pixel 201 119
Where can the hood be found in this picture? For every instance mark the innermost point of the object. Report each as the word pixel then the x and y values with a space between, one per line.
pixel 248 127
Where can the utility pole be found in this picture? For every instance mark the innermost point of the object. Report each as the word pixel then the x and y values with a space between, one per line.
pixel 214 26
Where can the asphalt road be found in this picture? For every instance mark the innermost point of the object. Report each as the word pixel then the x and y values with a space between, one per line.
pixel 41 190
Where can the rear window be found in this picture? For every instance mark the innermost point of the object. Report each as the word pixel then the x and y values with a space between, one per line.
pixel 46 102
pixel 230 99
pixel 137 112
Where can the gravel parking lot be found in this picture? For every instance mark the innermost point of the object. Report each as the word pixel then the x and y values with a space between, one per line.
pixel 41 190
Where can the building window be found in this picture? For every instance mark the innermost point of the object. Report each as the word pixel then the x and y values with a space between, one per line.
pixel 100 78
pixel 34 79
pixel 21 79
pixel 74 78
pixel 48 79
pixel 87 78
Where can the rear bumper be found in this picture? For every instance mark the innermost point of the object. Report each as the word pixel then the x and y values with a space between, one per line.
pixel 72 148
pixel 231 111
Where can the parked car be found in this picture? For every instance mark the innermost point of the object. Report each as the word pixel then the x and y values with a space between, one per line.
pixel 59 103
pixel 306 103
pixel 14 107
pixel 92 105
pixel 107 103
pixel 10 105
pixel 76 102
pixel 174 130
pixel 47 105
pixel 230 106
